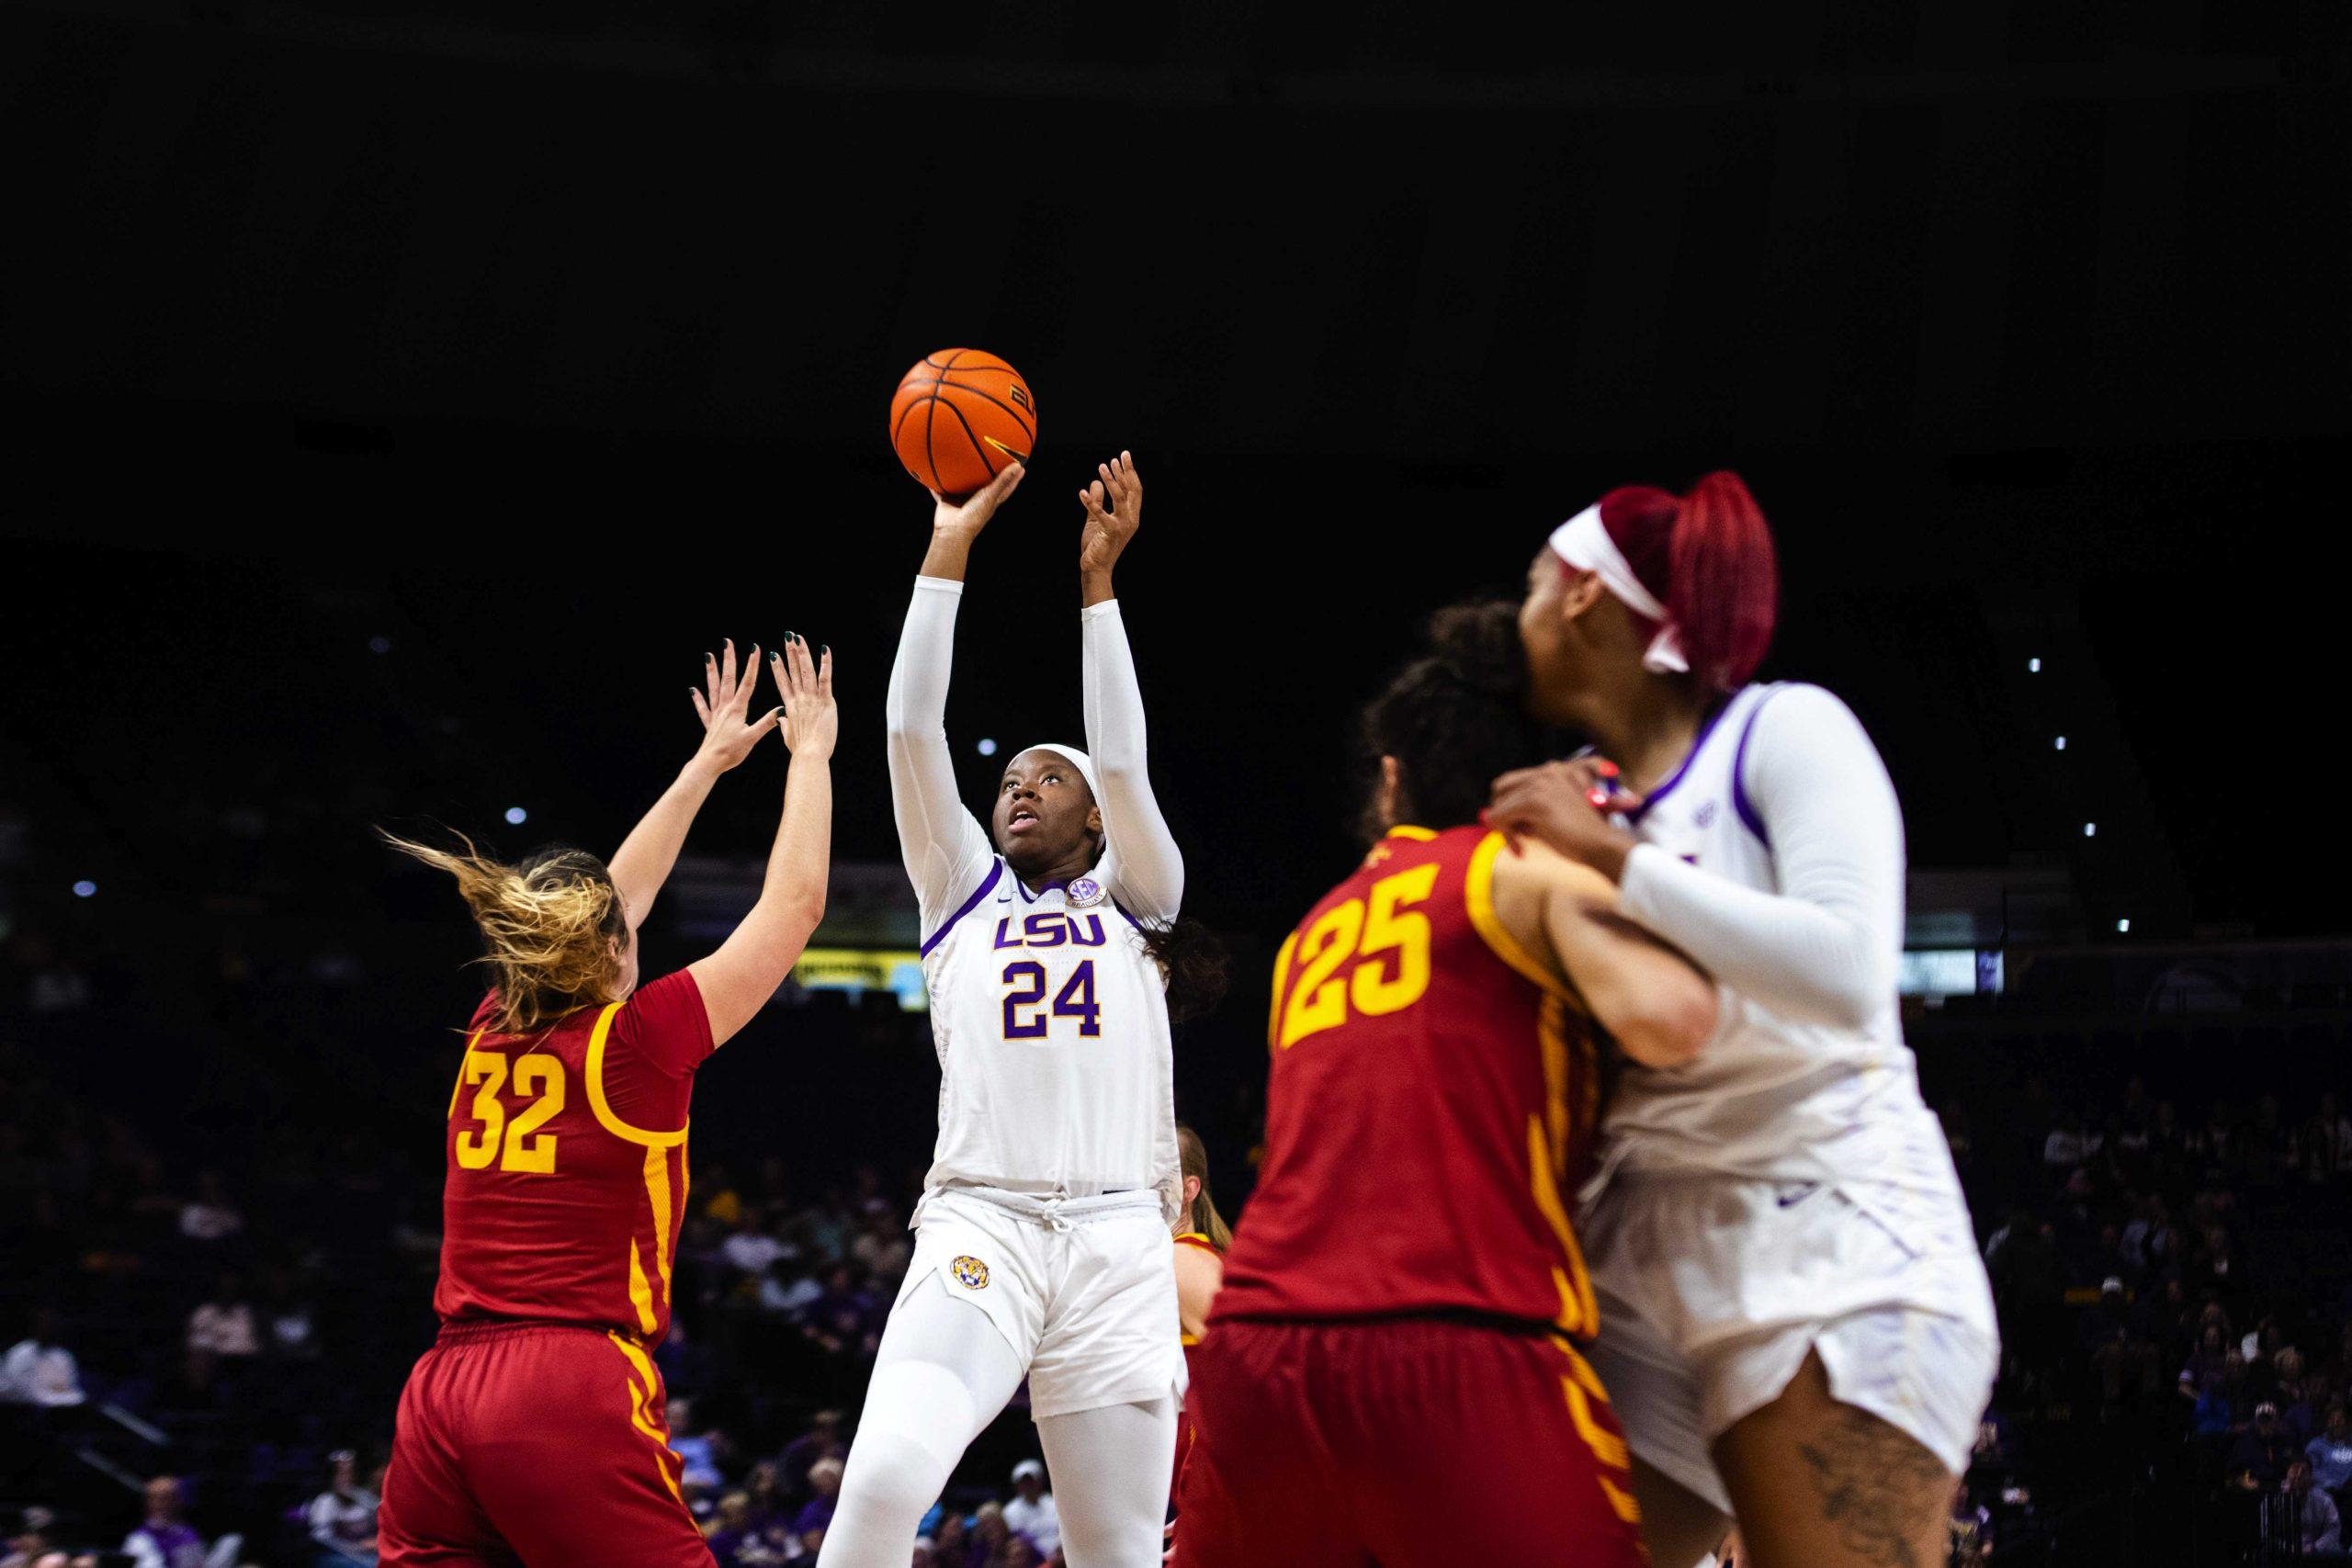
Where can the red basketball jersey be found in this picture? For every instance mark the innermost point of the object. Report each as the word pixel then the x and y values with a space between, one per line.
pixel 1432 1093
pixel 567 1159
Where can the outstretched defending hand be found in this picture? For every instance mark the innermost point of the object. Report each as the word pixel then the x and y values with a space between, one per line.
pixel 811 723
pixel 973 513
pixel 727 737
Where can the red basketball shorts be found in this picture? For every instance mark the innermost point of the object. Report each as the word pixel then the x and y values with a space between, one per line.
pixel 1405 1443
pixel 544 1445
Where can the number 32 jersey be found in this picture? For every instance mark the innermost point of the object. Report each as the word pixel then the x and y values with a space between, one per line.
pixel 567 1161
pixel 1432 1097
pixel 1056 1072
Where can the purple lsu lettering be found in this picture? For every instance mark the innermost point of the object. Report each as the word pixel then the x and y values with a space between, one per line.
pixel 1050 928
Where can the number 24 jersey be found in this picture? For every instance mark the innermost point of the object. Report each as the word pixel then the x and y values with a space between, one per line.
pixel 1057 1069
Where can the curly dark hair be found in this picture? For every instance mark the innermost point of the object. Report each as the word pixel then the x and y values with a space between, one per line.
pixel 1454 717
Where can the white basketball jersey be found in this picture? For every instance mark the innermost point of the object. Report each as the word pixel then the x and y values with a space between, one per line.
pixel 1768 1096
pixel 1057 1073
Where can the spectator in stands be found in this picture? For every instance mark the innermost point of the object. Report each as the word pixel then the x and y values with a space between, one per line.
pixel 720 1201
pixel 2316 1522
pixel 39 1370
pixel 2071 1142
pixel 342 1518
pixel 823 1440
pixel 2123 1350
pixel 788 1290
pixel 165 1539
pixel 290 1323
pixel 991 1537
pixel 226 1325
pixel 731 1529
pixel 2330 1453
pixel 2213 1415
pixel 883 1248
pixel 209 1216
pixel 817 1516
pixel 700 1451
pixel 752 1247
pixel 2264 1451
pixel 951 1541
pixel 32 1540
pixel 1032 1512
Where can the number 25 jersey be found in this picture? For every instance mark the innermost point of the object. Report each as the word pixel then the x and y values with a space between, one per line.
pixel 1432 1092
pixel 567 1161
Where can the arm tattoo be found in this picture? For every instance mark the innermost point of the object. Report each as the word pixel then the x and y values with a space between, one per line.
pixel 1877 1486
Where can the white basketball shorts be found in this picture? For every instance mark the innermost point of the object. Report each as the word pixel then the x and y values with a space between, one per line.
pixel 1083 1289
pixel 1713 1289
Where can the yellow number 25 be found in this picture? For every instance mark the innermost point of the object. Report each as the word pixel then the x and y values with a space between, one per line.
pixel 1379 939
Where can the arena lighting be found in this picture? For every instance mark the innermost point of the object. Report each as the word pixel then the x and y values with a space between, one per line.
pixel 2061 743
pixel 2123 925
pixel 84 888
pixel 988 747
pixel 517 816
pixel 2033 666
pixel 2090 829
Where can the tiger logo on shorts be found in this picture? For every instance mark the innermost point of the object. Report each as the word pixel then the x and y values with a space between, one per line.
pixel 970 1273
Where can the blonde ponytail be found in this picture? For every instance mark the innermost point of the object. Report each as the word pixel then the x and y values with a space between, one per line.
pixel 548 928
pixel 1201 1218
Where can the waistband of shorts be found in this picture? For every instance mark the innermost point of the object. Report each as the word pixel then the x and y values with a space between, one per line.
pixel 1054 1212
pixel 467 1330
pixel 1447 1317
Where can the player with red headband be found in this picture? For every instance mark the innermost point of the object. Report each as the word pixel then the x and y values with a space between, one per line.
pixel 1795 1321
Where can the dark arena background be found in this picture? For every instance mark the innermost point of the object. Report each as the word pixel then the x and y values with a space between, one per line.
pixel 401 395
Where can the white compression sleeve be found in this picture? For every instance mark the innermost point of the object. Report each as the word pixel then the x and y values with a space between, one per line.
pixel 941 1375
pixel 1147 869
pixel 1110 1470
pixel 946 850
pixel 1823 948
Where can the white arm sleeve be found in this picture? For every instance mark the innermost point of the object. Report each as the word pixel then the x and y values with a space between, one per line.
pixel 1145 871
pixel 945 849
pixel 1824 949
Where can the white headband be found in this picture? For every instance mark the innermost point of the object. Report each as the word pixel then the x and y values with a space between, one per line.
pixel 1078 760
pixel 1585 544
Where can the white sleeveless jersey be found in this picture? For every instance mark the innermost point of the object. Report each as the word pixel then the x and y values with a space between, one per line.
pixel 1057 1071
pixel 1768 1096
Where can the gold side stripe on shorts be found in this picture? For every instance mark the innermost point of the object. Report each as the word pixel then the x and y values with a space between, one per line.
pixel 1606 1446
pixel 641 1389
pixel 1621 1500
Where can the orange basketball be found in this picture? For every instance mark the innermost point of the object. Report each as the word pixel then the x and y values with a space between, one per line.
pixel 960 415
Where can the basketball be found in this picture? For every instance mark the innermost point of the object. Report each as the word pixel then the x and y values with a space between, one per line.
pixel 960 415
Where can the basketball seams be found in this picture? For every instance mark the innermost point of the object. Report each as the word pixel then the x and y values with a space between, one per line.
pixel 1027 429
pixel 990 468
pixel 931 391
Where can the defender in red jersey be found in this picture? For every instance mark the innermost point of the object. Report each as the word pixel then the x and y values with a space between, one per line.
pixel 1392 1373
pixel 535 1431
pixel 1201 1238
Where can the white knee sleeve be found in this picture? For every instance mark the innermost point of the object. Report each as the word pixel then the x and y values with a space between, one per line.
pixel 1110 1470
pixel 942 1374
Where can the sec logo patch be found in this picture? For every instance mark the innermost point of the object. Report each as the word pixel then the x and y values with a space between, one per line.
pixel 970 1273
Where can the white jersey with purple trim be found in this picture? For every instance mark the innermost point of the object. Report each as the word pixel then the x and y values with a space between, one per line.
pixel 1057 1069
pixel 1798 1085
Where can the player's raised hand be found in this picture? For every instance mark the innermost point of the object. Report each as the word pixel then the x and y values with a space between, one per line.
pixel 1114 508
pixel 971 515
pixel 723 705
pixel 811 723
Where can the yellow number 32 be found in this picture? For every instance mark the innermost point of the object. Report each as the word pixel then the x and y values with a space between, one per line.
pixel 1389 944
pixel 527 1148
